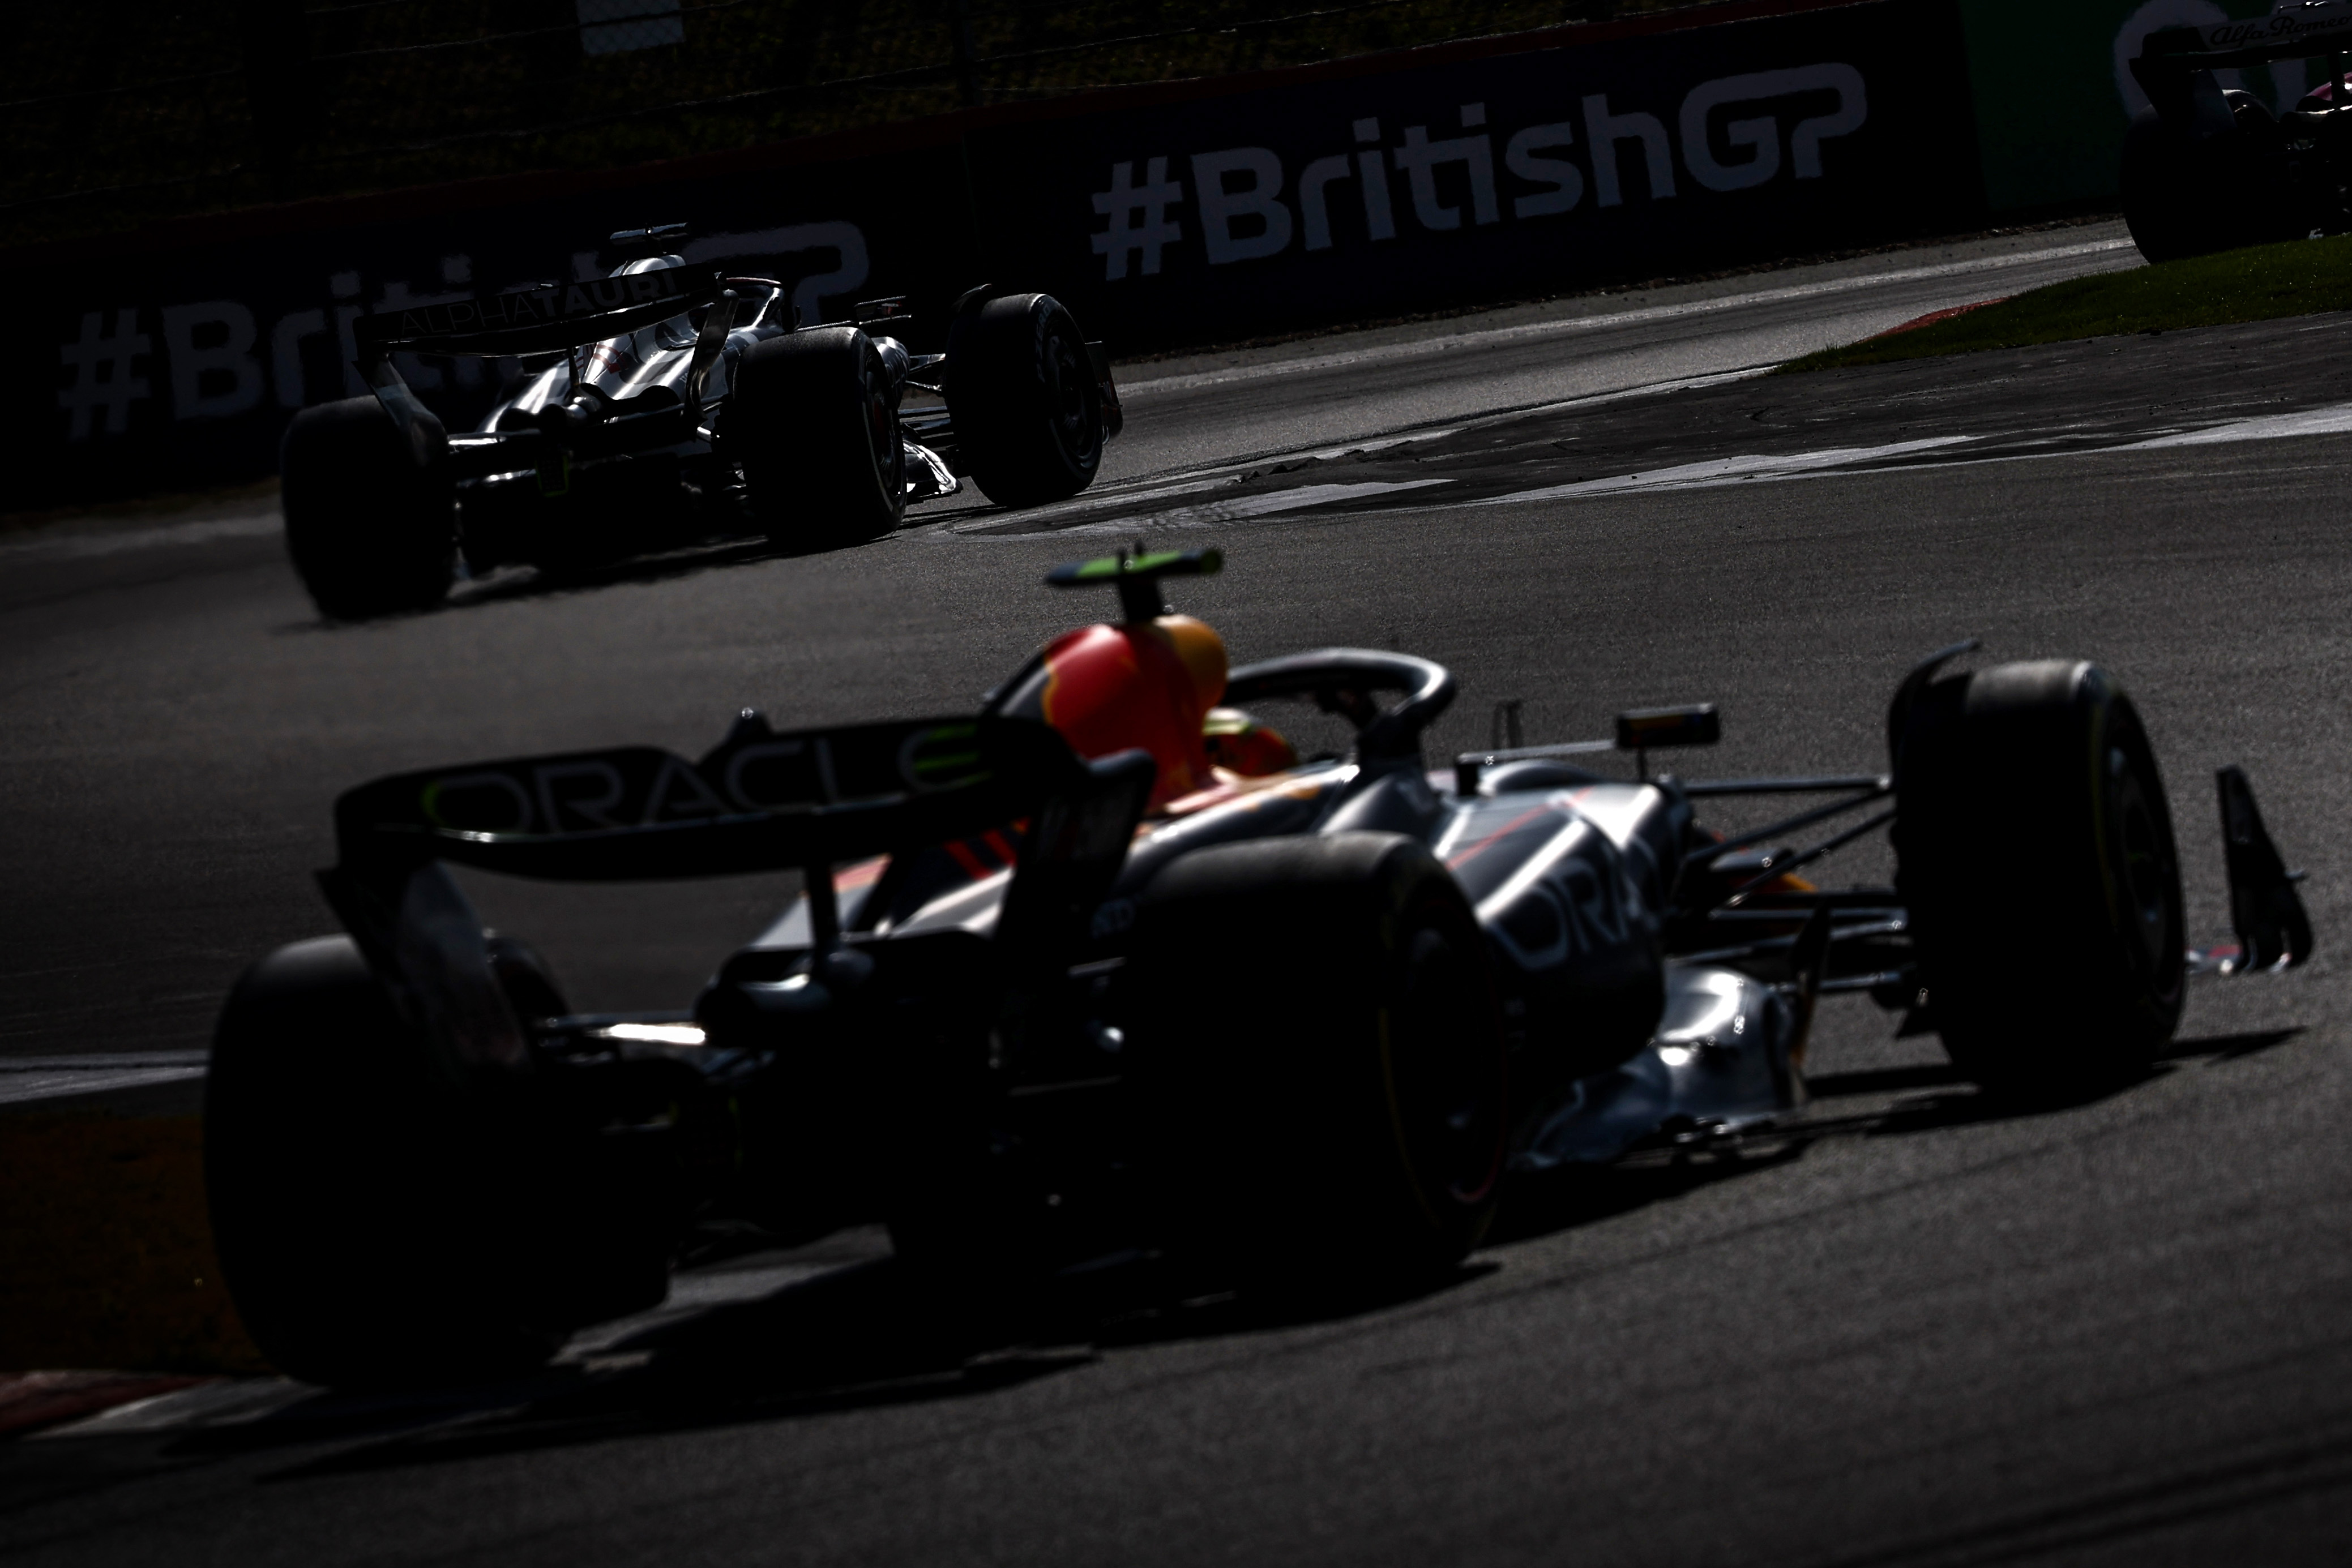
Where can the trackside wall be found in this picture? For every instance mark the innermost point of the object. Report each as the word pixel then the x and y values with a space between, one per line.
pixel 1179 214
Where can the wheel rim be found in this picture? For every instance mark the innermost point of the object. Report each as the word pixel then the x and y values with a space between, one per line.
pixel 882 435
pixel 1066 382
pixel 2144 858
pixel 1445 1088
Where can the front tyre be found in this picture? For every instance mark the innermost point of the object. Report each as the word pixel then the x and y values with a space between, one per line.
pixel 2183 196
pixel 1319 1055
pixel 371 523
pixel 2035 857
pixel 1026 407
pixel 814 423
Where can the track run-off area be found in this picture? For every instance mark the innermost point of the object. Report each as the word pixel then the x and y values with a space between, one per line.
pixel 1921 1328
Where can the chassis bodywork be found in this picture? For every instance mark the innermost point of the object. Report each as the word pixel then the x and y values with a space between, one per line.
pixel 614 438
pixel 959 1012
pixel 2249 175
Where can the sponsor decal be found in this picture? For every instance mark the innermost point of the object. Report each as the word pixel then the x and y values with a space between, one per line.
pixel 638 787
pixel 1246 204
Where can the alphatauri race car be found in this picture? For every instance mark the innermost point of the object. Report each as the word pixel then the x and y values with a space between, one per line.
pixel 1103 973
pixel 663 405
pixel 2208 168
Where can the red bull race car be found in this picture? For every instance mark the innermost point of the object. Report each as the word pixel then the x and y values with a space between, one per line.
pixel 665 405
pixel 1103 973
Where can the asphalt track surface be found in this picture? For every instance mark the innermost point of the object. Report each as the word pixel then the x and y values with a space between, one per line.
pixel 1928 1330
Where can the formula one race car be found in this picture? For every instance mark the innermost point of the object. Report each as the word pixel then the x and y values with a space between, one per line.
pixel 1066 990
pixel 667 407
pixel 2207 168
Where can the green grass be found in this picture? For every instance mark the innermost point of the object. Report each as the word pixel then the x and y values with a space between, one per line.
pixel 2297 278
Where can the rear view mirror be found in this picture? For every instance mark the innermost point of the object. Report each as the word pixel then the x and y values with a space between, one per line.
pixel 1655 728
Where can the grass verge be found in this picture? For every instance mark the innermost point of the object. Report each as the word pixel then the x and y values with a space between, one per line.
pixel 105 1256
pixel 2300 278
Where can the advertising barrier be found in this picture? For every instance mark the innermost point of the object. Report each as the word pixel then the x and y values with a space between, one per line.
pixel 1507 175
pixel 1182 214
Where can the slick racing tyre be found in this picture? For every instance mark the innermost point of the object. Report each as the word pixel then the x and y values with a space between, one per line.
pixel 1318 1052
pixel 1022 393
pixel 379 1225
pixel 371 525
pixel 2185 197
pixel 2034 854
pixel 816 427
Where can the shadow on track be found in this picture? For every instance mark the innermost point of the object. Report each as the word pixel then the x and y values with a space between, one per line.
pixel 1559 1200
pixel 868 1336
pixel 872 1335
pixel 507 585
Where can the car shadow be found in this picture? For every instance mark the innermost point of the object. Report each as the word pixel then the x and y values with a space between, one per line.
pixel 860 1337
pixel 865 1336
pixel 509 584
pixel 870 1334
pixel 1928 1097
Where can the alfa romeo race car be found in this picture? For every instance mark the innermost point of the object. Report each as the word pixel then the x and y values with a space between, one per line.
pixel 2208 168
pixel 1103 973
pixel 663 405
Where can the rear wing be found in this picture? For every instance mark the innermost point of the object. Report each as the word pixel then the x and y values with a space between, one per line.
pixel 539 320
pixel 760 801
pixel 2171 57
pixel 556 318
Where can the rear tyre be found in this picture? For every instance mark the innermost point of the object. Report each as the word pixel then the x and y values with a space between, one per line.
pixel 371 524
pixel 1022 393
pixel 381 1225
pixel 816 428
pixel 1318 1052
pixel 2183 197
pixel 2035 855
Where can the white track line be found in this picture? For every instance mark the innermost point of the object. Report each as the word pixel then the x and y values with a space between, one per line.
pixel 2332 420
pixel 1209 514
pixel 1725 471
pixel 24 1078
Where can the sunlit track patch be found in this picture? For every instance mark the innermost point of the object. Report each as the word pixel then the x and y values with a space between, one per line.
pixel 1487 338
pixel 1833 462
pixel 1714 473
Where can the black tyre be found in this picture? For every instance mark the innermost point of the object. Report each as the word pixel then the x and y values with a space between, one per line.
pixel 379 1223
pixel 1318 1052
pixel 2035 855
pixel 370 521
pixel 2184 197
pixel 812 419
pixel 1021 391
